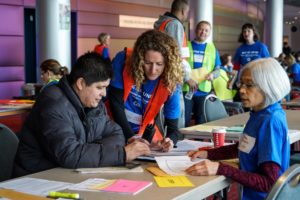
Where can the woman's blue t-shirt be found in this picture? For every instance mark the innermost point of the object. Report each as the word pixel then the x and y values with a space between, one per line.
pixel 267 130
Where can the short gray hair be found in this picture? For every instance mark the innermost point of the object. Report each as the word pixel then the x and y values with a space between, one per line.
pixel 271 78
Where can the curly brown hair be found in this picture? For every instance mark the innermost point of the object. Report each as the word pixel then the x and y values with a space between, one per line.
pixel 166 45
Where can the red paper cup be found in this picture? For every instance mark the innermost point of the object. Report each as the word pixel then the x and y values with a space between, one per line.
pixel 218 136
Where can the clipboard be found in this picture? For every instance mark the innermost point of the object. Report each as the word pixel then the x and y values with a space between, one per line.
pixel 11 194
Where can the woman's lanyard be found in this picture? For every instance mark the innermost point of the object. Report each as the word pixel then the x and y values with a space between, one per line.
pixel 145 111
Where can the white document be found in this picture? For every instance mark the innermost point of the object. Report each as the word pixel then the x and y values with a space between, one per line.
pixel 175 165
pixel 188 145
pixel 36 186
pixel 183 147
pixel 92 184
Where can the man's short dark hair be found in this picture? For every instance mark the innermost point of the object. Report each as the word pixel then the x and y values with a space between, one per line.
pixel 92 67
pixel 178 5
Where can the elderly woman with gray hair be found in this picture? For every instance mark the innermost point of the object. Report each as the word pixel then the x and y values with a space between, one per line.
pixel 264 147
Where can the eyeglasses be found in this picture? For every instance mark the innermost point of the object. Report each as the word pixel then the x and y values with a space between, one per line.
pixel 246 85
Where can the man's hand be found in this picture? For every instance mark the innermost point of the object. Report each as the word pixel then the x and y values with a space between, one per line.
pixel 135 149
pixel 164 145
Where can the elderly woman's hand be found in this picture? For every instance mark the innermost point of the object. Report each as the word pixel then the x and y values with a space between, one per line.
pixel 203 168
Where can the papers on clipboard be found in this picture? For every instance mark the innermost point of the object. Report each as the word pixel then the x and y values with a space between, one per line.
pixel 183 147
pixel 175 165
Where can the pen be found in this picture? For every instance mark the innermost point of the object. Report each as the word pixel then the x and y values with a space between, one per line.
pixel 66 195
pixel 165 132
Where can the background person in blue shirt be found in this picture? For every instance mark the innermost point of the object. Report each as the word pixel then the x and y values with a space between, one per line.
pixel 250 49
pixel 264 147
pixel 293 69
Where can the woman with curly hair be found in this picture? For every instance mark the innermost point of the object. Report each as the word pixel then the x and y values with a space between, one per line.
pixel 146 78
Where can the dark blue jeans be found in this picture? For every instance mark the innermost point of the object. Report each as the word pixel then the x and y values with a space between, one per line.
pixel 195 106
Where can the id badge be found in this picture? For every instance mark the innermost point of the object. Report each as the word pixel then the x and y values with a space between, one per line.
pixel 246 143
pixel 198 58
pixel 185 52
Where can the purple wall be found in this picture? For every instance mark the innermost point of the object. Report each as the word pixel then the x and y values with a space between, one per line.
pixel 11 48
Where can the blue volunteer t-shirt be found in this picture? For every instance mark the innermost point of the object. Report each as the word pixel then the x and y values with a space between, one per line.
pixel 296 72
pixel 105 53
pixel 246 53
pixel 137 101
pixel 198 50
pixel 267 138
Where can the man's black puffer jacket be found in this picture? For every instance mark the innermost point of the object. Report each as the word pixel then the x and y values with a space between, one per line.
pixel 60 132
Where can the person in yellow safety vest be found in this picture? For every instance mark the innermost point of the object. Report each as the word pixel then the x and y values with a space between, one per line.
pixel 205 63
pixel 171 23
pixel 145 79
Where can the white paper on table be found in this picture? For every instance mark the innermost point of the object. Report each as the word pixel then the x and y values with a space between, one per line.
pixel 183 147
pixel 88 184
pixel 34 186
pixel 175 165
pixel 188 145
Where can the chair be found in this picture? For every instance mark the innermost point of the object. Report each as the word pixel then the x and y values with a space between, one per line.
pixel 295 158
pixel 287 186
pixel 8 148
pixel 213 108
pixel 233 108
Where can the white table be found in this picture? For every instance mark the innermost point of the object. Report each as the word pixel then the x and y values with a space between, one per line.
pixel 203 131
pixel 204 185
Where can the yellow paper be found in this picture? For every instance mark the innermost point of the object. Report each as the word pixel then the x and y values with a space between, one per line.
pixel 173 181
pixel 199 74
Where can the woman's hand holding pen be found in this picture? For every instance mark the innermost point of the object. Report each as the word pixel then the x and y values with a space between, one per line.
pixel 164 145
pixel 167 144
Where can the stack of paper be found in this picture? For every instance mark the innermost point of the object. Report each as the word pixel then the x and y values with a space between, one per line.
pixel 183 147
pixel 120 185
pixel 127 186
pixel 34 186
pixel 175 165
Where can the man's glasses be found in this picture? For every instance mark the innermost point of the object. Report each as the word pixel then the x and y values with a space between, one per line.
pixel 246 85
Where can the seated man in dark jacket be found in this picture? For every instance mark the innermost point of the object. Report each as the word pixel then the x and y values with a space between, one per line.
pixel 69 127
